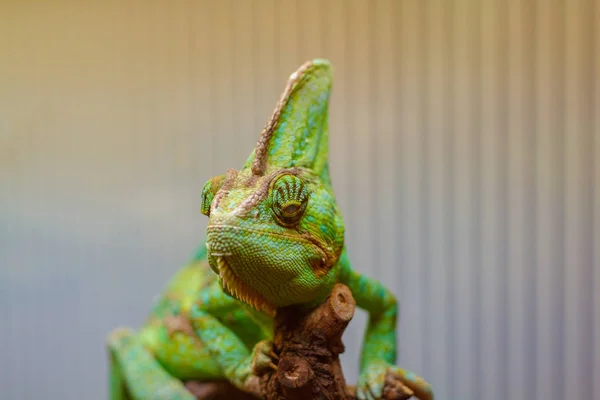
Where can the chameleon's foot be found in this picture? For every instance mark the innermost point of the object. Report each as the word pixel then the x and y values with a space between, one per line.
pixel 264 357
pixel 378 375
pixel 394 388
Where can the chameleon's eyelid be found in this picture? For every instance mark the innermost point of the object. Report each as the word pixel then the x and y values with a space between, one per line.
pixel 295 208
pixel 289 191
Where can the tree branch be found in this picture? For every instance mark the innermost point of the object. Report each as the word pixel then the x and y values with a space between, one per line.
pixel 308 345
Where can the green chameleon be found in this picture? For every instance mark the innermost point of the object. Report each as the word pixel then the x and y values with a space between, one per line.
pixel 275 238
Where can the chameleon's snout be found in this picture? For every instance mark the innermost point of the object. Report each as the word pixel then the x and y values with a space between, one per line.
pixel 224 240
pixel 272 264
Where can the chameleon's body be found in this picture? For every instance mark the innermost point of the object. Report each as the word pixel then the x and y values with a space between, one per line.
pixel 275 237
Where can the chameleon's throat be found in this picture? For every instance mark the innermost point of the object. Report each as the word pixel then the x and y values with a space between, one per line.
pixel 238 289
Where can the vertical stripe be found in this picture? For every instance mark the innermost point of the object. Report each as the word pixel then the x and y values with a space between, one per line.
pixel 466 206
pixel 577 153
pixel 522 150
pixel 491 260
pixel 424 165
pixel 595 185
pixel 438 75
pixel 550 199
pixel 450 191
pixel 411 344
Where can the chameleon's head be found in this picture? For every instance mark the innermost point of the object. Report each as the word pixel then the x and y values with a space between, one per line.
pixel 275 232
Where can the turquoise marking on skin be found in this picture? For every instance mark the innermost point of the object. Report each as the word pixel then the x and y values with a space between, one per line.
pixel 204 298
pixel 410 376
pixel 196 312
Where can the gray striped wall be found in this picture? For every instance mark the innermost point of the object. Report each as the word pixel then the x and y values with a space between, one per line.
pixel 465 138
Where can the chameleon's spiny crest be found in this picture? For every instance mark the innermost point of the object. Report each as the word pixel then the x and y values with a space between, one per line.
pixel 296 133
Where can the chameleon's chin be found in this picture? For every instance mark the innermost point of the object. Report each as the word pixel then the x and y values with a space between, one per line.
pixel 267 269
pixel 235 287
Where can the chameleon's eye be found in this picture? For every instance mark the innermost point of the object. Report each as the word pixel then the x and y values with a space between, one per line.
pixel 209 191
pixel 289 199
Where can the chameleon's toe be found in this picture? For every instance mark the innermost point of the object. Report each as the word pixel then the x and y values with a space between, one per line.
pixel 421 388
pixel 371 380
pixel 264 357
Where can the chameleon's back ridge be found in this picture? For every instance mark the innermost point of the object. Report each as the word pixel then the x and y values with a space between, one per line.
pixel 275 238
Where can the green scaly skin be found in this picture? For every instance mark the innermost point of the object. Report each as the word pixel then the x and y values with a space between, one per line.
pixel 275 237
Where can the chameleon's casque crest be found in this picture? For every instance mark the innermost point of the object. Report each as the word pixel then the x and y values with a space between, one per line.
pixel 296 133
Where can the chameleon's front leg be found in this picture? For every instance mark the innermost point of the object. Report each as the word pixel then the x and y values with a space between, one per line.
pixel 379 348
pixel 239 365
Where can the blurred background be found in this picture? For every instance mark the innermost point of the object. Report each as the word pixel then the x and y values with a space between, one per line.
pixel 464 137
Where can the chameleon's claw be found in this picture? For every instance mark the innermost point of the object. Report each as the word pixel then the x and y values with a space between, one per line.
pixel 264 357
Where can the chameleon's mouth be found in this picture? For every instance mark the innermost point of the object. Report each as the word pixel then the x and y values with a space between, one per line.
pixel 238 289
